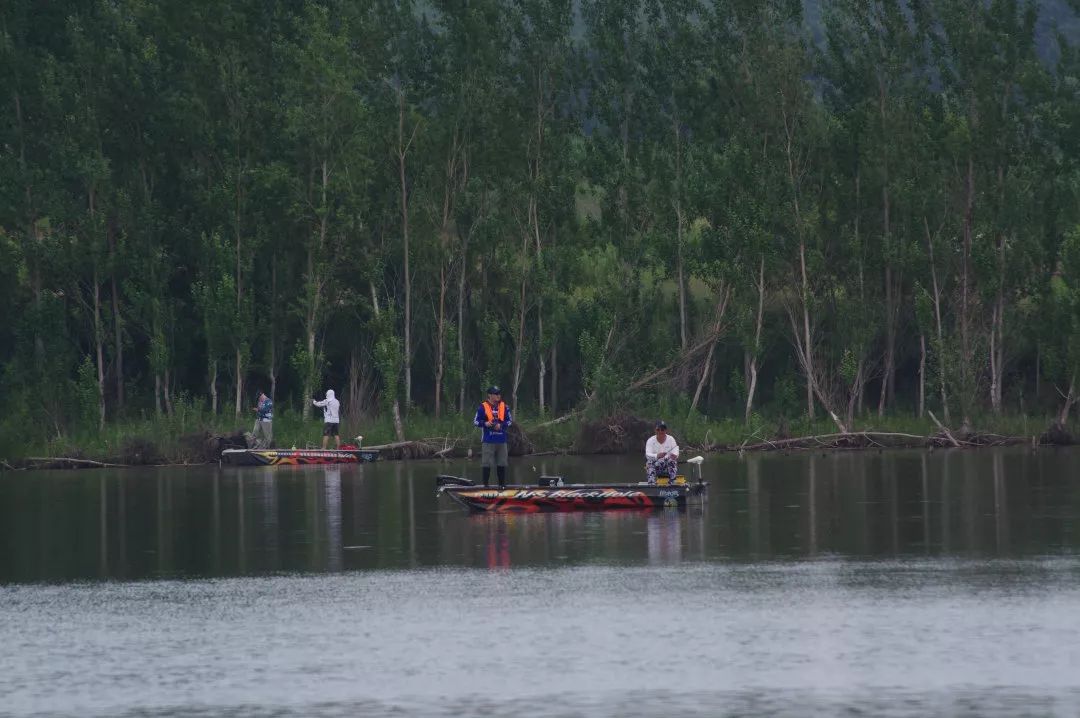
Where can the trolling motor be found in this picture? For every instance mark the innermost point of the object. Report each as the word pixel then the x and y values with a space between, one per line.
pixel 446 480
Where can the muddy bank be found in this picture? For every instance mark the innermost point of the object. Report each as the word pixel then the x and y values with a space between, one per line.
pixel 622 434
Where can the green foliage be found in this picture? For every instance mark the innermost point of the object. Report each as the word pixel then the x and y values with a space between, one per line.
pixel 86 391
pixel 220 191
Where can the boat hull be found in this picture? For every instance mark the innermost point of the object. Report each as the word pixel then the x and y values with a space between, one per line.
pixel 579 497
pixel 297 457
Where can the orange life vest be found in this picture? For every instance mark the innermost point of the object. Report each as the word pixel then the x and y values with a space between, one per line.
pixel 490 412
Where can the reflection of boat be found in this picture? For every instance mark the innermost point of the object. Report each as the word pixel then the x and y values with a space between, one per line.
pixel 553 494
pixel 279 457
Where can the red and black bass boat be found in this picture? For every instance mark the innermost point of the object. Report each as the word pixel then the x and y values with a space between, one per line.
pixel 293 457
pixel 552 493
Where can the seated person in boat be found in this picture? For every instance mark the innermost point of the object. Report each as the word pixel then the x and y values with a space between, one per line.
pixel 661 454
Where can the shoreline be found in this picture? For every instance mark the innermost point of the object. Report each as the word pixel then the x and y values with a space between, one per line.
pixel 620 439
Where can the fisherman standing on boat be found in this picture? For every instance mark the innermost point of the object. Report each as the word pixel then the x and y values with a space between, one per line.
pixel 331 420
pixel 661 454
pixel 264 422
pixel 493 417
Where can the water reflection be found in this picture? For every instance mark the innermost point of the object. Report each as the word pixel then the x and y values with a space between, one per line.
pixel 208 521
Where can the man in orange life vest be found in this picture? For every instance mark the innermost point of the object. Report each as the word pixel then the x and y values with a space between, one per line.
pixel 493 417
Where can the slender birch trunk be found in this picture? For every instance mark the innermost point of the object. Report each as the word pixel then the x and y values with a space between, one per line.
pixel 706 371
pixel 938 328
pixel 888 381
pixel 118 345
pixel 520 338
pixel 752 356
pixel 966 379
pixel 213 387
pixel 461 324
pixel 997 334
pixel 402 153
pixel 679 227
pixel 395 405
pixel 1070 399
pixel 99 350
pixel 922 374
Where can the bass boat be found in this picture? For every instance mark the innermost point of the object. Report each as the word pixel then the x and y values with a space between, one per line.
pixel 293 457
pixel 552 493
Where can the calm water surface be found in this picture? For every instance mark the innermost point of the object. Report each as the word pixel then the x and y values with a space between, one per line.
pixel 899 583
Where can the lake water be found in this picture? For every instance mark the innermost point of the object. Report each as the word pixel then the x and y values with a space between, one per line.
pixel 862 583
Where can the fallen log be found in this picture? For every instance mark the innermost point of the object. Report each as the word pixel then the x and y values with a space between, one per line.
pixel 68 460
pixel 835 440
pixel 561 419
pixel 942 427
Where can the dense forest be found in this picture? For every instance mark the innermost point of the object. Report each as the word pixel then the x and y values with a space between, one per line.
pixel 598 204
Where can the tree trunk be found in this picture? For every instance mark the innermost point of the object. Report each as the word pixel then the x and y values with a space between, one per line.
pixel 997 334
pixel 118 345
pixel 679 224
pixel 315 290
pixel 461 325
pixel 855 392
pixel 239 382
pixel 554 378
pixel 808 347
pixel 706 370
pixel 273 327
pixel 99 350
pixel 541 370
pixel 1038 372
pixel 922 375
pixel 395 406
pixel 1070 399
pixel 157 394
pixel 213 388
pixel 938 328
pixel 888 379
pixel 440 339
pixel 403 150
pixel 520 339
pixel 168 393
pixel 238 229
pixel 966 380
pixel 752 356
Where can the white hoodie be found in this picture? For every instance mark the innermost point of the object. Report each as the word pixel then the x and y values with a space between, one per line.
pixel 330 407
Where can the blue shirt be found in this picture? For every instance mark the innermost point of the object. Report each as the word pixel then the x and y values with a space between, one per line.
pixel 491 436
pixel 266 410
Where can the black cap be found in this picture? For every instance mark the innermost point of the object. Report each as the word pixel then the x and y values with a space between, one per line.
pixel 661 424
pixel 494 390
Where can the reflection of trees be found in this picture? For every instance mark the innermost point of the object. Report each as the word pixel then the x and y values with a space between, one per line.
pixel 219 522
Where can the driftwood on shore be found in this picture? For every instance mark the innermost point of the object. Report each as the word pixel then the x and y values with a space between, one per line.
pixel 872 439
pixel 73 461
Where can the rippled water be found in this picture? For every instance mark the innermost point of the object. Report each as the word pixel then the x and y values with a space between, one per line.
pixel 879 584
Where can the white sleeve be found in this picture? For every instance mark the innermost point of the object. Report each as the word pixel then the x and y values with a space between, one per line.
pixel 674 450
pixel 651 448
pixel 319 403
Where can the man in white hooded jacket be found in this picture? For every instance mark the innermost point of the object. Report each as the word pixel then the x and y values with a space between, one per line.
pixel 331 421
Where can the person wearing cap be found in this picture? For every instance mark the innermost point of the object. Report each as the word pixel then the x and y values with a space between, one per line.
pixel 331 418
pixel 493 416
pixel 264 422
pixel 661 454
